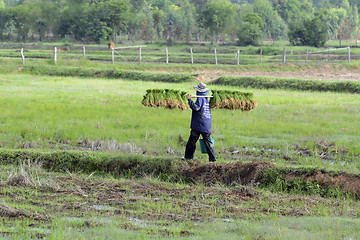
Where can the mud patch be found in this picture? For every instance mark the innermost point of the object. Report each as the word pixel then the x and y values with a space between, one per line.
pixel 229 173
pixel 10 212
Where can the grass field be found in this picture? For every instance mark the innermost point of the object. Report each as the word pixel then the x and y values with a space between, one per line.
pixel 295 130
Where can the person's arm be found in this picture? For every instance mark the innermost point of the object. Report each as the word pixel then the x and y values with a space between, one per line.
pixel 193 106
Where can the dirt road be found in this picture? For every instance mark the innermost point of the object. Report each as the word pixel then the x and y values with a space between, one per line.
pixel 325 72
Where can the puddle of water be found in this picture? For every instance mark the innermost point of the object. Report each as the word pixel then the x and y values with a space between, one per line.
pixel 102 207
pixel 342 163
pixel 41 230
pixel 140 223
pixel 71 219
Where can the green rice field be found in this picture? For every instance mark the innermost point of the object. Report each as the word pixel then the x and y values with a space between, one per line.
pixel 300 150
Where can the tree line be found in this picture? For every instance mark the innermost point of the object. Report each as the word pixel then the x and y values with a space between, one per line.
pixel 302 22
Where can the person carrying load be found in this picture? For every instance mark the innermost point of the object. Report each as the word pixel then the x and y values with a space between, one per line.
pixel 200 123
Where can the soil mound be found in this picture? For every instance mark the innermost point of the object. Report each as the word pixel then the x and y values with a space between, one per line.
pixel 345 182
pixel 10 212
pixel 228 174
pixel 251 173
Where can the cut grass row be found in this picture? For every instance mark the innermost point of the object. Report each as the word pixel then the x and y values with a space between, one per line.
pixel 258 82
pixel 110 73
pixel 290 84
pixel 278 179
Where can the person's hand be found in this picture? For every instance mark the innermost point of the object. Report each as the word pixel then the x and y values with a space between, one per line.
pixel 188 96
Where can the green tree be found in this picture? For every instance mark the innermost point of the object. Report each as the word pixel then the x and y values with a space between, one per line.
pixel 115 14
pixel 216 15
pixel 311 32
pixel 144 23
pixel 46 17
pixel 294 10
pixel 274 26
pixel 96 30
pixel 350 25
pixel 333 18
pixel 250 32
pixel 5 22
pixel 22 19
pixel 71 19
pixel 158 17
pixel 188 13
pixel 179 21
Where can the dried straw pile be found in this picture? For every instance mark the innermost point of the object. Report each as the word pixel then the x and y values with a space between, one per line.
pixel 232 100
pixel 167 98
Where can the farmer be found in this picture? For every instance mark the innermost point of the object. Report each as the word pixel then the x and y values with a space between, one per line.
pixel 200 123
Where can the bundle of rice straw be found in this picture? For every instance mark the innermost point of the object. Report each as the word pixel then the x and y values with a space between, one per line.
pixel 232 100
pixel 172 99
pixel 167 98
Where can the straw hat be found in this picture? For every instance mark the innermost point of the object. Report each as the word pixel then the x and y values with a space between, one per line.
pixel 201 87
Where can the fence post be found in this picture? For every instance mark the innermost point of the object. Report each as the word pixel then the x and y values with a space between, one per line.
pixel 216 61
pixel 83 48
pixel 307 54
pixel 112 55
pixel 55 54
pixel 22 56
pixel 191 55
pixel 284 55
pixel 167 55
pixel 260 54
pixel 348 49
pixel 238 57
pixel 139 55
pixel 329 55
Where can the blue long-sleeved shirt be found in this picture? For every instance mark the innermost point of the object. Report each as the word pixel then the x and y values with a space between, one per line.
pixel 201 114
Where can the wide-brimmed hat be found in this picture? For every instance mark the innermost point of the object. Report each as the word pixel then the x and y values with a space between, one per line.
pixel 201 87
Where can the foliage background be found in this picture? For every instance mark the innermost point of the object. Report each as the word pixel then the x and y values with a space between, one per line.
pixel 173 20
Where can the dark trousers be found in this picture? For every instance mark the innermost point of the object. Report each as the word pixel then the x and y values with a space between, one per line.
pixel 191 145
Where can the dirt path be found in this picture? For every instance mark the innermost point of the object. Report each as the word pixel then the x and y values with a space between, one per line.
pixel 325 72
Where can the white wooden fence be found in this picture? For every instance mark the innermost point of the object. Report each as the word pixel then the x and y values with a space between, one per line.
pixel 285 54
